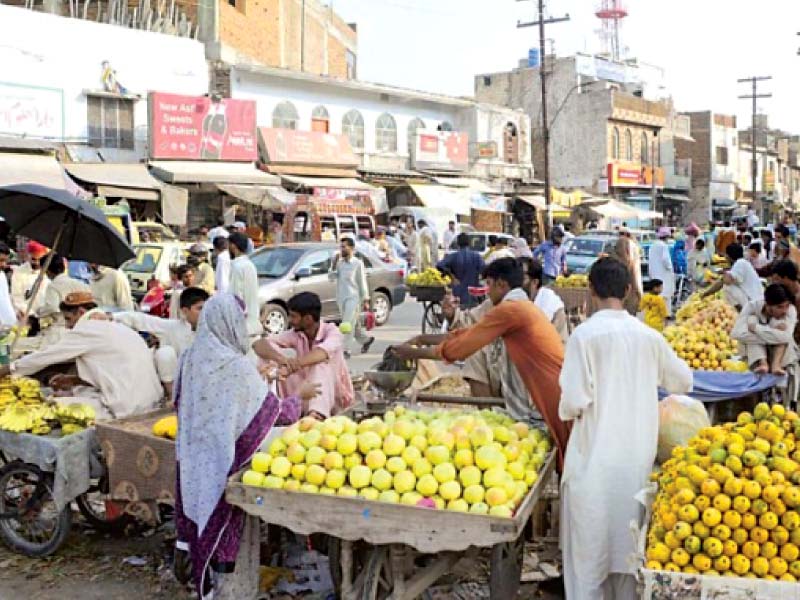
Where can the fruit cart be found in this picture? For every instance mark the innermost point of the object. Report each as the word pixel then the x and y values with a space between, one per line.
pixel 578 304
pixel 431 297
pixel 379 550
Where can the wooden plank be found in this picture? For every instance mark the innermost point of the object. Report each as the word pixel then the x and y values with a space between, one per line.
pixel 468 400
pixel 426 530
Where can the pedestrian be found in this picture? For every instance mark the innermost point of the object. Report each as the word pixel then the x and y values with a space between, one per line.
pixel 244 281
pixel 110 288
pixel 553 256
pixel 521 248
pixel 500 250
pixel 660 264
pixel 241 227
pixel 465 266
pixel 412 243
pixel 222 264
pixel 352 292
pixel 8 316
pixel 626 250
pixel 450 235
pixel 218 231
pixel 24 278
pixel 187 277
pixel 203 272
pixel 613 368
pixel 276 233
pixel 428 249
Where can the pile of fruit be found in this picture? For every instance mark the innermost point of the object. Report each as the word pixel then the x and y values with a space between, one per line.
pixel 573 281
pixel 701 335
pixel 23 408
pixel 430 277
pixel 729 502
pixel 166 427
pixel 468 461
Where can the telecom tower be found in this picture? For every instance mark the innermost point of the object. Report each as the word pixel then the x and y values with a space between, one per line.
pixel 611 13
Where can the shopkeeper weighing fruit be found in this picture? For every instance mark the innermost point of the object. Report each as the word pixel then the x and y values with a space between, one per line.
pixel 115 372
pixel 533 344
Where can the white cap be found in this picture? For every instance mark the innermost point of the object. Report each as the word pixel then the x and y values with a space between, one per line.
pixel 240 225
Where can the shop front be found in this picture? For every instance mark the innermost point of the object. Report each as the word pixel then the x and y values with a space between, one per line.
pixel 636 185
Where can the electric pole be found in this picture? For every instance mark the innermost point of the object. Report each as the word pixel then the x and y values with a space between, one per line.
pixel 545 126
pixel 754 96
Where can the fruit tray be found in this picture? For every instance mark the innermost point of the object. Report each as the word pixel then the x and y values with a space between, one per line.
pixel 426 530
pixel 429 293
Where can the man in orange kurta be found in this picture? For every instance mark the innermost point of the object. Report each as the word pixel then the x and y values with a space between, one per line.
pixel 533 344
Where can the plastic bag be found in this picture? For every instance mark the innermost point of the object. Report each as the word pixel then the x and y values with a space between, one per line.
pixel 680 418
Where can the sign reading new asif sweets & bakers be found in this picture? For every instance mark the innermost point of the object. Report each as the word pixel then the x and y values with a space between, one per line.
pixel 200 128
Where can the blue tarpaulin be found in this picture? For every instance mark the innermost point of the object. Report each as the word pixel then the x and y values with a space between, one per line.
pixel 714 386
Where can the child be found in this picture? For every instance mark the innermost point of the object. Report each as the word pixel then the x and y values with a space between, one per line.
pixel 653 305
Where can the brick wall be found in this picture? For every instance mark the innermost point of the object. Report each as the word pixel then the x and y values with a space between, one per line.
pixel 252 28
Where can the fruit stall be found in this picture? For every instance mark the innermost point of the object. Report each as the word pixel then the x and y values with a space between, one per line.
pixel 403 496
pixel 723 513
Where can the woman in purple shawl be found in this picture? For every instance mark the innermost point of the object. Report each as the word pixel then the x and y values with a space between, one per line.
pixel 224 413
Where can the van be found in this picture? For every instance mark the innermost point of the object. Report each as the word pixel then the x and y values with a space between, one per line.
pixel 313 219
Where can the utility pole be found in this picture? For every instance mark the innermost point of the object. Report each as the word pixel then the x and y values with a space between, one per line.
pixel 303 37
pixel 545 126
pixel 754 96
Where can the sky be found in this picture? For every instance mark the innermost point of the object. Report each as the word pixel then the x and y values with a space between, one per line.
pixel 703 45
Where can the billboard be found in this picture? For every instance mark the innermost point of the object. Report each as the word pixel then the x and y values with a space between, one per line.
pixel 306 147
pixel 199 128
pixel 30 111
pixel 441 151
pixel 623 174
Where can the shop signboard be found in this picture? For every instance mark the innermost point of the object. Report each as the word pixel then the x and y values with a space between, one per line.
pixel 441 151
pixel 487 149
pixel 624 174
pixel 287 146
pixel 199 128
pixel 30 111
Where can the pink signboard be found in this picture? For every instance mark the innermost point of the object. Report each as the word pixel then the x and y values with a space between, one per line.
pixel 307 147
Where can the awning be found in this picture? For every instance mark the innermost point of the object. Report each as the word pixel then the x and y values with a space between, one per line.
pixel 457 200
pixel 18 168
pixel 676 197
pixel 311 170
pixel 268 197
pixel 206 171
pixel 615 209
pixel 467 182
pixel 537 202
pixel 132 180
pixel 344 183
pixel 724 204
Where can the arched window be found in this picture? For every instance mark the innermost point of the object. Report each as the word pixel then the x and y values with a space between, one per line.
pixel 285 116
pixel 645 150
pixel 386 133
pixel 353 128
pixel 320 119
pixel 628 145
pixel 414 126
pixel 511 144
pixel 445 126
pixel 615 143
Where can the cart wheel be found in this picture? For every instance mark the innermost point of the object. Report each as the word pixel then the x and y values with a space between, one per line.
pixel 30 524
pixel 99 511
pixel 506 569
pixel 378 578
pixel 433 318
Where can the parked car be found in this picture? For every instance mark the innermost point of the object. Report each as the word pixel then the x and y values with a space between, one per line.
pixel 583 250
pixel 153 260
pixel 479 241
pixel 289 269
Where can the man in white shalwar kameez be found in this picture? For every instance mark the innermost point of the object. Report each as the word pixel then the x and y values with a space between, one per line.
pixel 612 369
pixel 660 266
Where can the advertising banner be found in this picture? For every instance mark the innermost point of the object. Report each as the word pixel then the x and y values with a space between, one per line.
pixel 31 111
pixel 441 151
pixel 306 147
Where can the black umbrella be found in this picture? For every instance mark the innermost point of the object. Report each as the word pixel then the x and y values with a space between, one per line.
pixel 70 226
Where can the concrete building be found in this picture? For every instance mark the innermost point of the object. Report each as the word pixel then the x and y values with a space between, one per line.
pixel 715 159
pixel 606 137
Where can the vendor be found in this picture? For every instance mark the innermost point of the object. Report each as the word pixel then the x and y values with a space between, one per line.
pixel 545 298
pixel 533 344
pixel 765 328
pixel 174 335
pixel 111 288
pixel 225 411
pixel 741 284
pixel 24 278
pixel 318 356
pixel 115 372
pixel 61 285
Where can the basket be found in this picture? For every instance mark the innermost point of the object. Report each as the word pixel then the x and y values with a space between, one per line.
pixel 430 293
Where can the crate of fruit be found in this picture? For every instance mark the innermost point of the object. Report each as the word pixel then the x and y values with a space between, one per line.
pixel 139 453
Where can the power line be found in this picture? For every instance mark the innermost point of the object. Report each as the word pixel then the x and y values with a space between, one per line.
pixel 754 96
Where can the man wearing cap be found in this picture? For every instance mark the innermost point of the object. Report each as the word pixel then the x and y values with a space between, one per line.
pixel 111 288
pixel 241 227
pixel 24 278
pixel 203 272
pixel 115 371
pixel 660 265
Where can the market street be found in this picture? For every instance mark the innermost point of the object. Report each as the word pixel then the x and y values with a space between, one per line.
pixel 403 324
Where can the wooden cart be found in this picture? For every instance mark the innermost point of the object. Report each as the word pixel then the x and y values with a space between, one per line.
pixel 578 304
pixel 377 548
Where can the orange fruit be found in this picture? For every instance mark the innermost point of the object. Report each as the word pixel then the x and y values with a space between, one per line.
pixel 759 535
pixel 730 548
pixel 777 566
pixel 751 550
pixel 733 519
pixel 769 550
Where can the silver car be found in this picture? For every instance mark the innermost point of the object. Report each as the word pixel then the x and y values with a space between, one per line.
pixel 289 269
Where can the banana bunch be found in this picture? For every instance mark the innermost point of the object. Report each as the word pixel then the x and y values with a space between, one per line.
pixel 82 415
pixel 573 281
pixel 14 333
pixel 19 418
pixel 166 427
pixel 430 277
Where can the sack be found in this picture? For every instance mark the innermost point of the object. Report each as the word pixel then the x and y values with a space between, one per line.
pixel 680 418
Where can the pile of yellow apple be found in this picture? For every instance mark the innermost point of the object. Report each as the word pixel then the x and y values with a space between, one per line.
pixel 573 281
pixel 701 335
pixel 729 502
pixel 430 277
pixel 479 462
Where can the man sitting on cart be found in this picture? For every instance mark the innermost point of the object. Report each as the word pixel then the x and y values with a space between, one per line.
pixel 115 372
pixel 765 329
pixel 533 344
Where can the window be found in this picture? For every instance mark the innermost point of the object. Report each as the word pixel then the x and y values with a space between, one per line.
pixel 352 65
pixel 319 262
pixel 510 144
pixel 722 155
pixel 327 227
pixel 365 223
pixel 445 126
pixel 628 145
pixel 275 262
pixel 414 126
pixel 320 120
pixel 110 122
pixel 285 116
pixel 353 128
pixel 645 150
pixel 347 224
pixel 615 143
pixel 386 133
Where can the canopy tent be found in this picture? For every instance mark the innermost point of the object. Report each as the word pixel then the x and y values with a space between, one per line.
pixel 456 200
pixel 268 197
pixel 121 180
pixel 614 209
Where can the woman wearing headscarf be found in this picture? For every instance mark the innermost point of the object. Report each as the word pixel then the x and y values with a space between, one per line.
pixel 225 410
